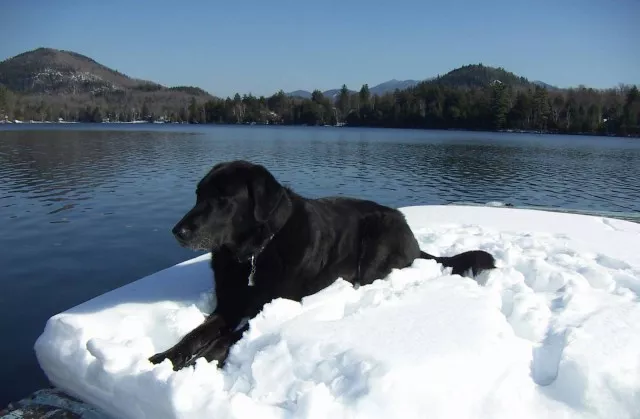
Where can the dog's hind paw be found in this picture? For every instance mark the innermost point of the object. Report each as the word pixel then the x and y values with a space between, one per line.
pixel 474 261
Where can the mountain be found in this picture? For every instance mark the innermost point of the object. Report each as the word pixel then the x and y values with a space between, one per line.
pixel 473 75
pixel 545 85
pixel 65 84
pixel 305 94
pixel 392 85
pixel 51 71
pixel 333 93
pixel 478 75
pixel 379 89
pixel 58 72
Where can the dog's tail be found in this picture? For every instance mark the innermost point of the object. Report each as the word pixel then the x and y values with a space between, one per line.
pixel 475 261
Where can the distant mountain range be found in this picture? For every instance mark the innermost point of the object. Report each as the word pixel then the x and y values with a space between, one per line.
pixel 48 82
pixel 545 85
pixel 379 89
pixel 393 85
pixel 52 72
pixel 57 73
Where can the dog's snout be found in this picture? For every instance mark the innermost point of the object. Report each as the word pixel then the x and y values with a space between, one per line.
pixel 182 232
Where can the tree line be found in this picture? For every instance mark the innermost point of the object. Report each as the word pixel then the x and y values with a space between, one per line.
pixel 430 105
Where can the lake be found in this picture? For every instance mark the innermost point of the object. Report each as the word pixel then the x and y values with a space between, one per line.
pixel 88 208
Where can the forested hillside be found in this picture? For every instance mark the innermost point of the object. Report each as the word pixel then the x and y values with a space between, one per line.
pixel 49 84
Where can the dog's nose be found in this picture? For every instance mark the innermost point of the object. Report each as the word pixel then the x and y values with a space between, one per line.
pixel 182 233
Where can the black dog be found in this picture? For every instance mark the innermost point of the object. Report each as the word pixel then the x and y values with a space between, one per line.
pixel 269 242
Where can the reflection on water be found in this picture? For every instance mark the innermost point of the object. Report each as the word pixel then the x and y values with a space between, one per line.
pixel 85 209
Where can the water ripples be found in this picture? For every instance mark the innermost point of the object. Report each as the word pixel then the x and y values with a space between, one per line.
pixel 108 168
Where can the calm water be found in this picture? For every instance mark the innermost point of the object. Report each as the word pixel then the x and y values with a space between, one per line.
pixel 85 208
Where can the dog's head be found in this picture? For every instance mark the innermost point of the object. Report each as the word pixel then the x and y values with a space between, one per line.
pixel 237 205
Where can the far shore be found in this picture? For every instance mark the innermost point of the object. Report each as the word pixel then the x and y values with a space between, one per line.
pixel 339 125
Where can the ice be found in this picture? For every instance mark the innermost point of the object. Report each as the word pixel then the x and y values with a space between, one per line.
pixel 553 332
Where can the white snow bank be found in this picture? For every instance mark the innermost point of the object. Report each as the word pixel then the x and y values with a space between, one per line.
pixel 554 333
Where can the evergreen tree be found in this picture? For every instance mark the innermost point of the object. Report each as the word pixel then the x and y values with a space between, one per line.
pixel 364 95
pixel 631 113
pixel 540 108
pixel 343 101
pixel 499 105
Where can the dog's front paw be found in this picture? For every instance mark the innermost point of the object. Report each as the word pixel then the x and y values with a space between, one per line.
pixel 177 358
pixel 193 343
pixel 219 349
pixel 158 358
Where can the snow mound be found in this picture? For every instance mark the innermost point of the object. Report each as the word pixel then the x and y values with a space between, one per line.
pixel 553 332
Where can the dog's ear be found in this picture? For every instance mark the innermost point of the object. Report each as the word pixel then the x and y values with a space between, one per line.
pixel 266 193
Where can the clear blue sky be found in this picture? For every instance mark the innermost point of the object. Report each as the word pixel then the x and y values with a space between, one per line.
pixel 261 46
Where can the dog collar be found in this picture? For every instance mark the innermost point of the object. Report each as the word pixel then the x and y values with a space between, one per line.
pixel 254 257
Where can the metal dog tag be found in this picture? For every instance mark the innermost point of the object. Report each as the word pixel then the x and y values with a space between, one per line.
pixel 253 271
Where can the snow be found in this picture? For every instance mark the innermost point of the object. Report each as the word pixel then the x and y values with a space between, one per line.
pixel 553 332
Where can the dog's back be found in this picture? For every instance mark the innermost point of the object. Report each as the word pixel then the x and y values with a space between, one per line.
pixel 349 238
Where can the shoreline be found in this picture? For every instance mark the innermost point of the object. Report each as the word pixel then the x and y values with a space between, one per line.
pixel 505 131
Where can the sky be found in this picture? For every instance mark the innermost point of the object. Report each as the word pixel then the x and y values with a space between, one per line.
pixel 261 46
